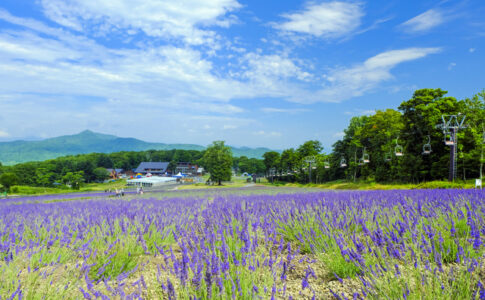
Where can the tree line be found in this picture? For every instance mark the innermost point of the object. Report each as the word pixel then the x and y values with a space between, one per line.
pixel 75 170
pixel 369 144
pixel 85 168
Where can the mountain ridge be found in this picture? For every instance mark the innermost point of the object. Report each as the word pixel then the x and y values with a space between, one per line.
pixel 88 141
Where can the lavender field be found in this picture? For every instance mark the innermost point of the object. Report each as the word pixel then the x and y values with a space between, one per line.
pixel 245 244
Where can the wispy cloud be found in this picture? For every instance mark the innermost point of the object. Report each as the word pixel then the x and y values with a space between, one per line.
pixel 62 75
pixel 4 134
pixel 268 134
pixel 345 83
pixel 339 134
pixel 424 22
pixel 325 20
pixel 451 66
pixel 360 112
pixel 180 19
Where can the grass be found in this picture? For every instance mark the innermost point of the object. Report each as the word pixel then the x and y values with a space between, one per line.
pixel 234 183
pixel 23 190
pixel 364 185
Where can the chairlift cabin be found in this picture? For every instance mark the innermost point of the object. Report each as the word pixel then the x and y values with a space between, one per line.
pixel 361 162
pixel 398 150
pixel 427 147
pixel 388 156
pixel 343 163
pixel 449 140
pixel 365 157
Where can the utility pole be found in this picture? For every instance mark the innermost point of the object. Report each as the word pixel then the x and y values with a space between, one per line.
pixel 450 125
pixel 310 160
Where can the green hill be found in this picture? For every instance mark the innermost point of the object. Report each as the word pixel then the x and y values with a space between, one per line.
pixel 88 142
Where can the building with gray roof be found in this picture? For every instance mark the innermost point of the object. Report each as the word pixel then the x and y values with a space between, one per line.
pixel 155 168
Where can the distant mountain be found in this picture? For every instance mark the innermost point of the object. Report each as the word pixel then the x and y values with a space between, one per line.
pixel 88 142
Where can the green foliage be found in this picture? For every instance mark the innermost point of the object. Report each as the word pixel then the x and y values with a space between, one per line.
pixel 74 179
pixel 8 179
pixel 101 173
pixel 310 148
pixel 218 162
pixel 249 165
pixel 271 159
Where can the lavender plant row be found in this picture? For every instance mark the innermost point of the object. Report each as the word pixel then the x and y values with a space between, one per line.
pixel 420 244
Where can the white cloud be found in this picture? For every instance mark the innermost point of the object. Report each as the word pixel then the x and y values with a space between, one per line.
pixel 56 75
pixel 4 134
pixel 168 19
pixel 325 20
pixel 267 134
pixel 272 75
pixel 345 83
pixel 229 127
pixel 360 112
pixel 339 135
pixel 451 66
pixel 424 22
pixel 272 66
pixel 471 50
pixel 66 82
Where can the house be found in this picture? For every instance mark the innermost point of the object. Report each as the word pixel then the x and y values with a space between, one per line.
pixel 154 168
pixel 186 168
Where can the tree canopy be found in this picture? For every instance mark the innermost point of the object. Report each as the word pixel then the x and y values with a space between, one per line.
pixel 217 160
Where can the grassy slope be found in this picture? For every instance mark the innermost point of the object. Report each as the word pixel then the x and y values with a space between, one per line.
pixel 241 182
pixel 234 183
pixel 90 187
pixel 346 185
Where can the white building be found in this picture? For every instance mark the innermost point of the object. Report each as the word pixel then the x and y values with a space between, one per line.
pixel 150 181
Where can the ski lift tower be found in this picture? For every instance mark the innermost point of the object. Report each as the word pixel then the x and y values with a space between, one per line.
pixel 272 173
pixel 309 160
pixel 481 159
pixel 450 126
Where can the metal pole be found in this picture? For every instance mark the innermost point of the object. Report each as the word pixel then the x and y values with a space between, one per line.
pixel 452 170
pixel 309 172
pixel 355 163
pixel 481 159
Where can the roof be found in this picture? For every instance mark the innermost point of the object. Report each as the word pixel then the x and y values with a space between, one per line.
pixel 116 170
pixel 152 165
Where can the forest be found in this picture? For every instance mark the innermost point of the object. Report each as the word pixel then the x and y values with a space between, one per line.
pixel 405 145
pixel 87 168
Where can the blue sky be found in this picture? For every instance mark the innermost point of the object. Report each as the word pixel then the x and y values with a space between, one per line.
pixel 252 73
